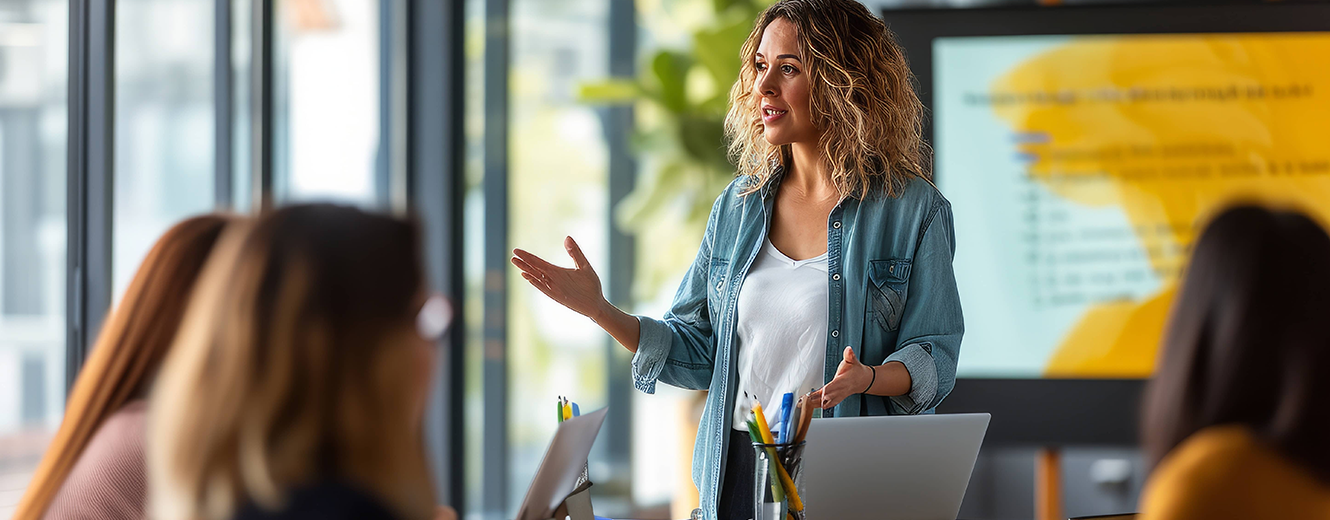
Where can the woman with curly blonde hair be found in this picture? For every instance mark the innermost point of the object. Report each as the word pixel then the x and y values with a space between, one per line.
pixel 826 264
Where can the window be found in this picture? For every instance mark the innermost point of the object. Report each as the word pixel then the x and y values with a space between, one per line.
pixel 326 97
pixel 33 75
pixel 557 187
pixel 163 123
pixel 558 184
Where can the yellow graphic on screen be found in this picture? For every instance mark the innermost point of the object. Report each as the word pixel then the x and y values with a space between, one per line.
pixel 1169 128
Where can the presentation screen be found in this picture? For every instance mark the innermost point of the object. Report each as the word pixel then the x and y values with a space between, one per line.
pixel 1080 168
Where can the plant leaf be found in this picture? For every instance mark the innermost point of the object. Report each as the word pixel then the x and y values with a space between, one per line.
pixel 718 48
pixel 703 139
pixel 670 69
pixel 609 92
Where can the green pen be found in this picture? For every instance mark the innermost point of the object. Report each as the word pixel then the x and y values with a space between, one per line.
pixel 559 406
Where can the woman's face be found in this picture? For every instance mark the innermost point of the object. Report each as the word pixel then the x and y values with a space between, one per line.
pixel 782 86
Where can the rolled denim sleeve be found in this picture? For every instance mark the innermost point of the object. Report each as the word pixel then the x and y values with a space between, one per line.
pixel 679 350
pixel 679 353
pixel 653 346
pixel 932 325
pixel 922 367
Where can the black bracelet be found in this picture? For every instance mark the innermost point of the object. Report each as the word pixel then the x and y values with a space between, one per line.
pixel 872 369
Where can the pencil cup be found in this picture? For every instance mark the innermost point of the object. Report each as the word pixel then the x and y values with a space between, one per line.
pixel 778 487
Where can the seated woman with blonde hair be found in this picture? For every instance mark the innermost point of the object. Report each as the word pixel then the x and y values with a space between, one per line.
pixel 1237 417
pixel 94 467
pixel 297 385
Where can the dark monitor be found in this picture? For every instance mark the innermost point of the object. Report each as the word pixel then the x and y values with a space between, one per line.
pixel 1082 148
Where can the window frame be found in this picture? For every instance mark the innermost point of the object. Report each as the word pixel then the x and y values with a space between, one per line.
pixel 422 175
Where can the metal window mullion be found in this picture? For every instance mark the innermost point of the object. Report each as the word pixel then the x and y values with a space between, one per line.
pixel 261 103
pixel 383 159
pixel 89 210
pixel 223 99
pixel 390 176
pixel 618 124
pixel 494 451
pixel 432 147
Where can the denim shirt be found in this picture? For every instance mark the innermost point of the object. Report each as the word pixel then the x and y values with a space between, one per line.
pixel 892 297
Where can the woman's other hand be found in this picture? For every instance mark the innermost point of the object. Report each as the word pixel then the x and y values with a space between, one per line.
pixel 444 513
pixel 577 288
pixel 852 377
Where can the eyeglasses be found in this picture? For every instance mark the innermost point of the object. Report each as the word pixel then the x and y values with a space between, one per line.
pixel 434 317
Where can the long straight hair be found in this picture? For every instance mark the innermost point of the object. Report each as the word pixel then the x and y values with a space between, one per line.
pixel 1248 343
pixel 129 350
pixel 292 368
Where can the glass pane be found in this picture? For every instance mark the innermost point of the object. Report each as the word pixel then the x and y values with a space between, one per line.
pixel 557 187
pixel 473 257
pixel 33 67
pixel 163 123
pixel 326 97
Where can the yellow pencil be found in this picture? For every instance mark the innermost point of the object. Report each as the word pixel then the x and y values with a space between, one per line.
pixel 793 494
pixel 762 423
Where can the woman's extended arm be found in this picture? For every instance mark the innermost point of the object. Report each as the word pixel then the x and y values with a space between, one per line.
pixel 578 289
pixel 622 326
pixel 678 349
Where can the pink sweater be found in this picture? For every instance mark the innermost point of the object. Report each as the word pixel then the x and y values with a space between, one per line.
pixel 110 478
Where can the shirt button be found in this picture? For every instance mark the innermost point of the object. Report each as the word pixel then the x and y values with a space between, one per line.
pixel 835 276
pixel 836 224
pixel 835 333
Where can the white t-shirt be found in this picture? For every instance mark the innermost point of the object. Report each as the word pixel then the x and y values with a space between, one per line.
pixel 782 331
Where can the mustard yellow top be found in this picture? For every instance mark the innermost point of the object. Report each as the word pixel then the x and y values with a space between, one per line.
pixel 1225 472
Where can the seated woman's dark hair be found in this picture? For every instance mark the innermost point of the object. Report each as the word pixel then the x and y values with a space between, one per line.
pixel 1248 342
pixel 296 365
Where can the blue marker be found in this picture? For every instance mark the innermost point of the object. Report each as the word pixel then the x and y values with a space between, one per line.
pixel 576 412
pixel 786 406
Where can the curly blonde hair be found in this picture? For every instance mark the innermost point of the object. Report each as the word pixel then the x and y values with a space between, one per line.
pixel 862 100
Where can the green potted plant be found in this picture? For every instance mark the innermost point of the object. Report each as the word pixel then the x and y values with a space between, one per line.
pixel 680 98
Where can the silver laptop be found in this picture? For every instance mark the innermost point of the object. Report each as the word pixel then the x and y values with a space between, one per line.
pixel 905 467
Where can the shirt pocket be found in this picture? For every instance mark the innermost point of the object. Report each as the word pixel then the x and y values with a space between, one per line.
pixel 888 287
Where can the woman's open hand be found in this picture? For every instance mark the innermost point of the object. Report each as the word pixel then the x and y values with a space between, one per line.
pixel 577 288
pixel 852 377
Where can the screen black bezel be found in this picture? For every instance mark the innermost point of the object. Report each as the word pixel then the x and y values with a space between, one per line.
pixel 1050 412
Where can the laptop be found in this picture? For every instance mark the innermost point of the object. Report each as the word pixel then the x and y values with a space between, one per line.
pixel 561 471
pixel 903 467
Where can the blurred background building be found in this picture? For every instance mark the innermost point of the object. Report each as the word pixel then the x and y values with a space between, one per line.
pixel 502 123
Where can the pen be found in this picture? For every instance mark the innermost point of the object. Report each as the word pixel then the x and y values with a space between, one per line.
pixel 559 404
pixel 805 419
pixel 792 425
pixel 786 410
